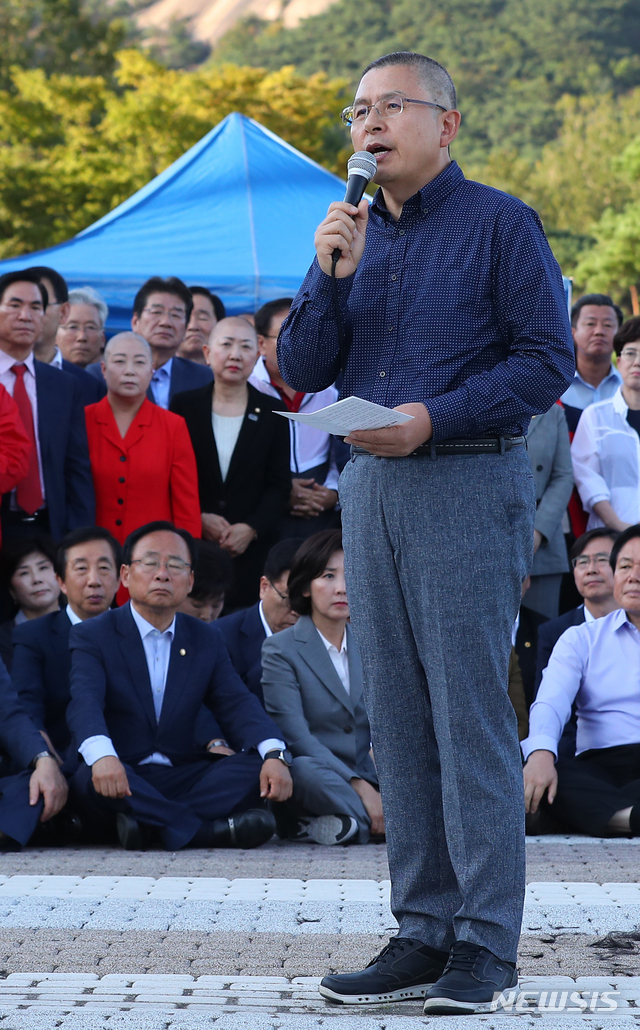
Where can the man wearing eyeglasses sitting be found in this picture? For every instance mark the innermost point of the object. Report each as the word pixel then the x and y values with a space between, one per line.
pixel 597 665
pixel 139 677
pixel 594 582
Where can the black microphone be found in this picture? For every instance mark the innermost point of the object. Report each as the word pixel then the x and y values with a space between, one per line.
pixel 361 168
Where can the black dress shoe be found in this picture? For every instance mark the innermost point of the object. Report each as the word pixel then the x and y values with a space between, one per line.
pixel 131 834
pixel 404 969
pixel 63 829
pixel 245 830
pixel 472 977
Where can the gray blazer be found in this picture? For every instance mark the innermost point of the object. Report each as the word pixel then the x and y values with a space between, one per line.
pixel 550 456
pixel 305 697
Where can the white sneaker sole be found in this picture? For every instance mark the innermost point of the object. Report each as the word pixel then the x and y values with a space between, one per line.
pixel 449 1007
pixel 325 829
pixel 416 993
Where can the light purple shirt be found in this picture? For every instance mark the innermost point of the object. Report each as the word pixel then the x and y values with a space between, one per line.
pixel 597 665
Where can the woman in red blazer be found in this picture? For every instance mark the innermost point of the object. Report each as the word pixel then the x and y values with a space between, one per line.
pixel 141 456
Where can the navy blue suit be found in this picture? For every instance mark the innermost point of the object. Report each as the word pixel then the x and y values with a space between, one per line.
pixel 244 636
pixel 111 696
pixel 185 375
pixel 92 389
pixel 20 742
pixel 40 673
pixel 62 433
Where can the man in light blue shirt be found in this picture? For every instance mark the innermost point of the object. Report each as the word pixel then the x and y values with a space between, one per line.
pixel 597 665
pixel 595 319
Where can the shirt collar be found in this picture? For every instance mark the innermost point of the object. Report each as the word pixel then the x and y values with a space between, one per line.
pixel 164 370
pixel 619 403
pixel 263 619
pixel 145 628
pixel 331 647
pixel 56 361
pixel 7 362
pixel 588 617
pixel 426 199
pixel 71 615
pixel 611 374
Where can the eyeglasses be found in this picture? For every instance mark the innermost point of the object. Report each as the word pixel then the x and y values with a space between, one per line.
pixel 175 314
pixel 386 108
pixel 174 566
pixel 630 354
pixel 283 597
pixel 583 561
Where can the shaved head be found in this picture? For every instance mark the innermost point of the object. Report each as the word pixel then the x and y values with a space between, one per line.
pixel 121 338
pixel 434 76
pixel 236 326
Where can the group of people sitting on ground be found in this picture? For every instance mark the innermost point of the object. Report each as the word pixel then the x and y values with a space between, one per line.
pixel 172 424
pixel 134 723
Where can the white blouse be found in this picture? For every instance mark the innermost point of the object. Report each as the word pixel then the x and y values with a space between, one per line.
pixel 226 430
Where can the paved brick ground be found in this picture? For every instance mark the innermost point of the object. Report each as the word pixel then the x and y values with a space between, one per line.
pixel 78 951
pixel 551 859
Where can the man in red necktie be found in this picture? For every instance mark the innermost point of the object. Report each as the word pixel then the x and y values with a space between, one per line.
pixel 56 494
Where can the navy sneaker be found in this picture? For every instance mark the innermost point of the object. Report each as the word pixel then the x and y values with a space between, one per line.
pixel 404 969
pixel 472 976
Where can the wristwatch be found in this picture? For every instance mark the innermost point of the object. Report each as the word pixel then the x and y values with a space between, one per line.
pixel 41 754
pixel 283 756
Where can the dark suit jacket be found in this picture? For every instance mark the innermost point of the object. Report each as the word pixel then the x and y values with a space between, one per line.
pixel 244 636
pixel 20 741
pixel 258 483
pixel 92 389
pixel 185 375
pixel 550 633
pixel 62 434
pixel 305 696
pixel 111 691
pixel 526 649
pixel 40 673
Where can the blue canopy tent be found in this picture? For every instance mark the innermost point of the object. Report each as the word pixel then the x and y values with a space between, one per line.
pixel 236 213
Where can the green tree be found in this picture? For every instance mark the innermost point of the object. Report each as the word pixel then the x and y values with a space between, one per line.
pixel 58 36
pixel 73 147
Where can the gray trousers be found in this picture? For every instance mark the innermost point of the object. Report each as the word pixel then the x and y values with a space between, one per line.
pixel 435 554
pixel 319 790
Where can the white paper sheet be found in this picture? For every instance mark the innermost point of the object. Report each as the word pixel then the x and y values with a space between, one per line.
pixel 349 416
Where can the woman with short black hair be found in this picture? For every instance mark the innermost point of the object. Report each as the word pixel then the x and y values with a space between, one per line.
pixel 312 684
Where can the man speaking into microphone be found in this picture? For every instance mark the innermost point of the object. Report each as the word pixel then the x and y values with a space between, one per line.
pixel 453 311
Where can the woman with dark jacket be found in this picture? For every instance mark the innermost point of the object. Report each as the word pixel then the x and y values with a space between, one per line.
pixel 242 454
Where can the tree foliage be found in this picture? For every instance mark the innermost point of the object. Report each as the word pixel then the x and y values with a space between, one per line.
pixel 512 60
pixel 73 147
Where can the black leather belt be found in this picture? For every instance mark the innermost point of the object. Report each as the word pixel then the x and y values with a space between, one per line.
pixel 479 445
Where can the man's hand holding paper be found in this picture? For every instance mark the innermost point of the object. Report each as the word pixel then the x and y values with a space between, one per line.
pixel 396 441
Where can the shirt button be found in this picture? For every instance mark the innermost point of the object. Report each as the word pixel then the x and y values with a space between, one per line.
pixel 393 278
pixel 118 522
pixel 382 374
pixel 539 468
pixel 348 729
pixel 121 480
pixel 120 501
pixel 391 328
pixel 401 232
pixel 122 457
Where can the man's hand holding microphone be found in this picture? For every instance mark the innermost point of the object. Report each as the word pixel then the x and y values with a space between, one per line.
pixel 344 230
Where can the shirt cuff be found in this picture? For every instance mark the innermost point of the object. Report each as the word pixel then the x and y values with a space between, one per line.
pixel 539 742
pixel 449 416
pixel 270 745
pixel 94 748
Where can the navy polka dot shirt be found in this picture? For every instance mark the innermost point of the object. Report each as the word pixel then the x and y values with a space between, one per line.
pixel 459 305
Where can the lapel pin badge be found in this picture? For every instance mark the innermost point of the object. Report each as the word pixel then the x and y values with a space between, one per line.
pixel 254 415
pixel 182 651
